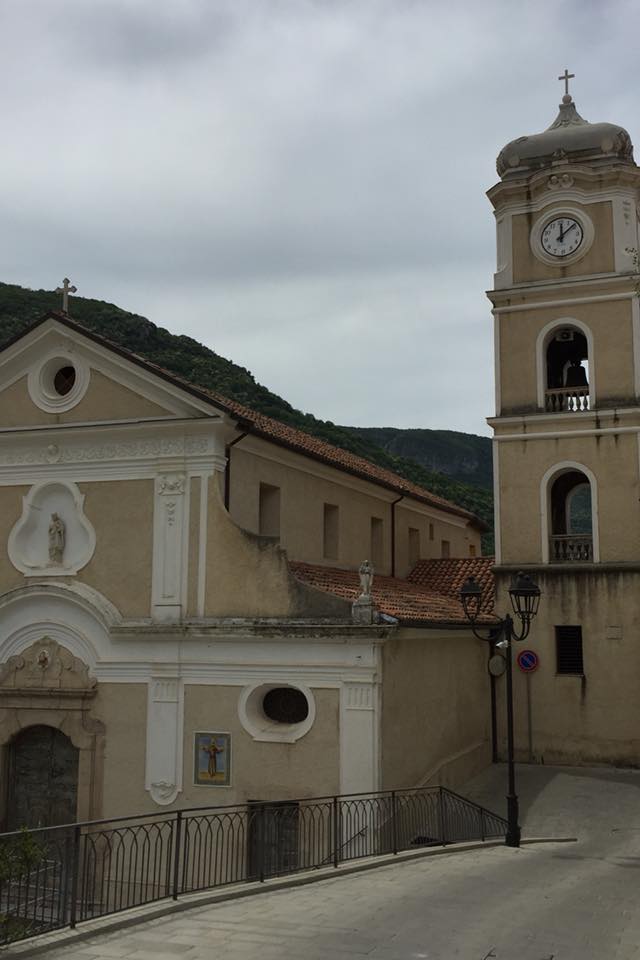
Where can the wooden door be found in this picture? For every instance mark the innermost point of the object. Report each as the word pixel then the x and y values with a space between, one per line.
pixel 43 779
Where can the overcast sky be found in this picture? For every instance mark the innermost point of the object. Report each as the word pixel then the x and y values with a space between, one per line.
pixel 298 184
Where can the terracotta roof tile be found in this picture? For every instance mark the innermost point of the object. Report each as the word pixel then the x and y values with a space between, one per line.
pixel 281 433
pixel 407 601
pixel 447 576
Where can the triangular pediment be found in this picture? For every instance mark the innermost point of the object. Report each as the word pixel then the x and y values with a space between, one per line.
pixel 57 372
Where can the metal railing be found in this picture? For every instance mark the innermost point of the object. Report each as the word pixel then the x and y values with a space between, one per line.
pixel 55 877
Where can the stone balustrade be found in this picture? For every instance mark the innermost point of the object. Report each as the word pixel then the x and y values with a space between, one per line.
pixel 571 549
pixel 567 399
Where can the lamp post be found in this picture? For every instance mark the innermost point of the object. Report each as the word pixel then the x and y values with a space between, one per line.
pixel 525 597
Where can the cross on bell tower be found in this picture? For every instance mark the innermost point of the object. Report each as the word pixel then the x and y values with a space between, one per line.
pixel 566 76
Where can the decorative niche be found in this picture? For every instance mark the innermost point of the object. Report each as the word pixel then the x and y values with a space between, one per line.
pixel 53 537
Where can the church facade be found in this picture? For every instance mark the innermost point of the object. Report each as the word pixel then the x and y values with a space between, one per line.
pixel 185 618
pixel 567 431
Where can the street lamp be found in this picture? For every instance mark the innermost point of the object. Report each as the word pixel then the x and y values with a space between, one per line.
pixel 525 597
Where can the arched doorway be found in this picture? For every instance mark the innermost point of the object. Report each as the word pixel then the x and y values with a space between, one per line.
pixel 42 778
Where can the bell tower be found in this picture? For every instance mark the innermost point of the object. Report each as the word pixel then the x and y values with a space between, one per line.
pixel 567 429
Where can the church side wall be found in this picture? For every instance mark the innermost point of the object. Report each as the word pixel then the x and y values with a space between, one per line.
pixel 122 707
pixel 435 708
pixel 10 510
pixel 594 718
pixel 305 488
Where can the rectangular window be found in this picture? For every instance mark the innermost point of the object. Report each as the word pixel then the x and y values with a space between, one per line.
pixel 377 541
pixel 330 533
pixel 569 650
pixel 414 546
pixel 445 549
pixel 269 511
pixel 472 549
pixel 431 533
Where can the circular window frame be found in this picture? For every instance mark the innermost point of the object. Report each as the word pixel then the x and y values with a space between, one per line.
pixel 588 235
pixel 40 383
pixel 260 727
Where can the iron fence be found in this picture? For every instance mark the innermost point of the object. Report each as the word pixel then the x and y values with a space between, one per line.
pixel 55 877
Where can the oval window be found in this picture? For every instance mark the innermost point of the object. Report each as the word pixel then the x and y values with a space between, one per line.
pixel 64 380
pixel 285 705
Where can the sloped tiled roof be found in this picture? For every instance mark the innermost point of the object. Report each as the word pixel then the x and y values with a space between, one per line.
pixel 408 602
pixel 274 430
pixel 447 576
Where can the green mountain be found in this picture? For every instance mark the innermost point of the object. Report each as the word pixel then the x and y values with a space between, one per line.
pixel 462 456
pixel 189 359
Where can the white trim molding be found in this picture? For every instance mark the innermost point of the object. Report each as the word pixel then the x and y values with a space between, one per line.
pixel 541 359
pixel 563 466
pixel 165 722
pixel 257 723
pixel 41 380
pixel 170 545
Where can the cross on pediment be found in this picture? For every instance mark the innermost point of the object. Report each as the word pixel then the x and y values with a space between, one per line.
pixel 66 288
pixel 566 76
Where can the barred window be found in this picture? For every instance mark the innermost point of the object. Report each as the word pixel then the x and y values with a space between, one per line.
pixel 569 650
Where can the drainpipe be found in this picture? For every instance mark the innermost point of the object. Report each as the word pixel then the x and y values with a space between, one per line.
pixel 227 469
pixel 393 535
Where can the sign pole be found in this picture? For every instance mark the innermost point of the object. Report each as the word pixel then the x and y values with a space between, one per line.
pixel 529 723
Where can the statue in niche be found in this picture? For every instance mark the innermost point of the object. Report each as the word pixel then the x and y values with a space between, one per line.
pixel 56 539
pixel 366 578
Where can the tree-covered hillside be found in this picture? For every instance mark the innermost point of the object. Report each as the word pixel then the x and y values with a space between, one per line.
pixel 189 359
pixel 461 456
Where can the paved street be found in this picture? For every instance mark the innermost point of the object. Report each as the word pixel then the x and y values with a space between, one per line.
pixel 560 901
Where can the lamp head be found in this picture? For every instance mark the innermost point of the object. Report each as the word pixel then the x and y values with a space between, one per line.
pixel 471 598
pixel 525 597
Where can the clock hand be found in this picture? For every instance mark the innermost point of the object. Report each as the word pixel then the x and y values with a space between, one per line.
pixel 570 228
pixel 561 237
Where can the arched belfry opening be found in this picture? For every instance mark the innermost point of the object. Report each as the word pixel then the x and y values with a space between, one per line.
pixel 571 518
pixel 42 778
pixel 567 371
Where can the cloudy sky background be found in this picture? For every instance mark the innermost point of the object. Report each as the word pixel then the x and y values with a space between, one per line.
pixel 298 184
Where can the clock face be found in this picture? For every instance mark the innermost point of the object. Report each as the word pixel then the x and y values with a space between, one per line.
pixel 562 236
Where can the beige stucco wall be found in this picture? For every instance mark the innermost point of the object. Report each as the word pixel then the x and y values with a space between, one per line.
pixel 122 708
pixel 262 771
pixel 304 489
pixel 248 575
pixel 435 708
pixel 613 368
pixel 460 538
pixel 104 400
pixel 599 259
pixel 122 513
pixel 595 719
pixel 10 512
pixel 612 458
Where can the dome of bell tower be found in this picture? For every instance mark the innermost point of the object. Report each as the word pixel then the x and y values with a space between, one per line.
pixel 569 138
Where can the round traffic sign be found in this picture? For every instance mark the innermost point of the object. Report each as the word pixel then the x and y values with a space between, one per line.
pixel 528 661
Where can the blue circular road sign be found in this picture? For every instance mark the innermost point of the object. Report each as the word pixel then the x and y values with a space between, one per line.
pixel 528 661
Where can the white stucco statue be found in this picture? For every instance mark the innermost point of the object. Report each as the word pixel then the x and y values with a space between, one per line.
pixel 366 572
pixel 56 538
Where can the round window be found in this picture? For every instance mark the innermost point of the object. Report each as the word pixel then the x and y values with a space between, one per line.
pixel 64 380
pixel 285 705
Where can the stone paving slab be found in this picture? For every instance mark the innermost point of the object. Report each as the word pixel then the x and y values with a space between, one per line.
pixel 539 902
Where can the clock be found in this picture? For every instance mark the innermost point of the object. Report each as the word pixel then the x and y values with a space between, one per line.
pixel 562 236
